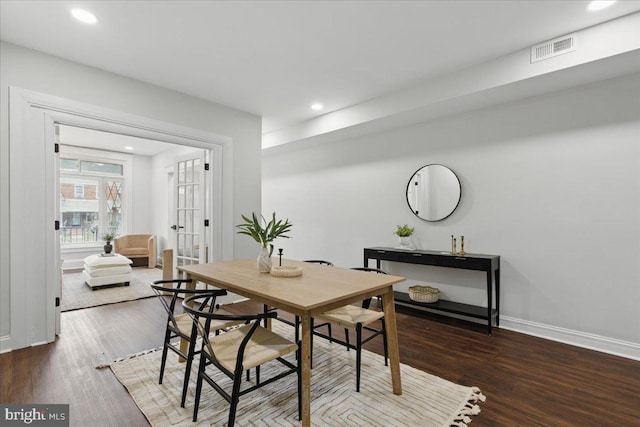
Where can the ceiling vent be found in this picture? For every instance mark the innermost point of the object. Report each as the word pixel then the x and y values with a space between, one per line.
pixel 555 47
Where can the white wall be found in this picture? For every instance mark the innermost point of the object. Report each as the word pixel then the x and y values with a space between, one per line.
pixel 37 72
pixel 550 183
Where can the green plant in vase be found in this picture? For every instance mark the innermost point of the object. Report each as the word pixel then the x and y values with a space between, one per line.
pixel 108 238
pixel 264 233
pixel 404 233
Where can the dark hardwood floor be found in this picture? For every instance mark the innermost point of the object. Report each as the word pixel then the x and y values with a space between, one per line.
pixel 528 381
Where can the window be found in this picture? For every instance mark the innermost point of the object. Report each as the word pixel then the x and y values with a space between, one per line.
pixel 91 199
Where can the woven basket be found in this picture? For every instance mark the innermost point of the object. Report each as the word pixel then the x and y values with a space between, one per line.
pixel 424 293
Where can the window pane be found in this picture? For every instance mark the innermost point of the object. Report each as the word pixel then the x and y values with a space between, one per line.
pixel 196 170
pixel 103 168
pixel 181 173
pixel 113 199
pixel 69 165
pixel 189 171
pixel 79 209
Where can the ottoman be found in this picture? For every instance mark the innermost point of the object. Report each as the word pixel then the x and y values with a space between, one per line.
pixel 105 270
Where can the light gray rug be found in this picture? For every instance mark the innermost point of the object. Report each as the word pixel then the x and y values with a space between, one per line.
pixel 426 401
pixel 76 294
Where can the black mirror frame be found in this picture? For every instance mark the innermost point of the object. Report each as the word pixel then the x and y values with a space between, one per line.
pixel 452 210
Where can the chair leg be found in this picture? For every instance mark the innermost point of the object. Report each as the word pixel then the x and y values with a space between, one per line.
pixel 167 341
pixel 299 353
pixel 235 397
pixel 265 309
pixel 201 367
pixel 358 354
pixel 384 340
pixel 310 346
pixel 187 371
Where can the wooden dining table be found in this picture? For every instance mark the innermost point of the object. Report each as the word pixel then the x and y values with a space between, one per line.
pixel 320 288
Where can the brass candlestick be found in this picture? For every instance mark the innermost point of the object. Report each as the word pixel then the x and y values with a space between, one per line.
pixel 462 252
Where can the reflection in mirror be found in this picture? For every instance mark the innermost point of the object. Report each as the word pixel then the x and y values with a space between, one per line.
pixel 433 192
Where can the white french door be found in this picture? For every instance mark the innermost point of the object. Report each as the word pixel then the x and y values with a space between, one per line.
pixel 190 184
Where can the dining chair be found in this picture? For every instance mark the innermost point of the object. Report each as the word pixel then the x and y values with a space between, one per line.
pixel 248 346
pixel 180 325
pixel 320 261
pixel 296 322
pixel 352 317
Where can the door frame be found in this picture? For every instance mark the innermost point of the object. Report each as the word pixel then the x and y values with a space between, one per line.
pixel 34 271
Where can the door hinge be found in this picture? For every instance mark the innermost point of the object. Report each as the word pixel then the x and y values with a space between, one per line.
pixel 56 148
pixel 56 225
pixel 206 222
pixel 57 301
pixel 206 166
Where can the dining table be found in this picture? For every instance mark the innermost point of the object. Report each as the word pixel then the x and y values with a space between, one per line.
pixel 318 289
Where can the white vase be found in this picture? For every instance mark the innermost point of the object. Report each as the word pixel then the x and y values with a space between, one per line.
pixel 264 261
pixel 405 242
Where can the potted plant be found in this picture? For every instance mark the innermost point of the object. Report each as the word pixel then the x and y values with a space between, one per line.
pixel 264 233
pixel 404 233
pixel 108 238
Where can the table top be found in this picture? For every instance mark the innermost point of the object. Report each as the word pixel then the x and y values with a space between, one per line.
pixel 318 289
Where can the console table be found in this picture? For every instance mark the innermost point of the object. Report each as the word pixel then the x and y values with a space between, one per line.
pixel 487 263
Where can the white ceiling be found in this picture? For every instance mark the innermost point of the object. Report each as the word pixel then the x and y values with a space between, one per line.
pixel 81 137
pixel 274 58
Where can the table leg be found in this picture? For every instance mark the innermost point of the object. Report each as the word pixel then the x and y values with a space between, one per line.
pixel 184 344
pixel 305 359
pixel 392 339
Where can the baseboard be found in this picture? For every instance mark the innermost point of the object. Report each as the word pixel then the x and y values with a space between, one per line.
pixel 73 264
pixel 613 346
pixel 5 344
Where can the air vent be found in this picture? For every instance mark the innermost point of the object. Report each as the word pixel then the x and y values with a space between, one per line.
pixel 555 47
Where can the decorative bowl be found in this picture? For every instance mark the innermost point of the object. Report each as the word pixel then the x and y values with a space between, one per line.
pixel 286 271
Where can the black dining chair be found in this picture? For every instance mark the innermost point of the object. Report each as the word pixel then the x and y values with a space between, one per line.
pixel 180 325
pixel 352 317
pixel 239 349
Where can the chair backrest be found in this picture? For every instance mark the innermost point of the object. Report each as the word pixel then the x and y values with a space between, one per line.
pixel 372 270
pixel 196 306
pixel 319 261
pixel 164 287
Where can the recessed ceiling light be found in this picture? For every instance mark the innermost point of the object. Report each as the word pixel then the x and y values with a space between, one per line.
pixel 600 4
pixel 128 148
pixel 84 16
pixel 317 106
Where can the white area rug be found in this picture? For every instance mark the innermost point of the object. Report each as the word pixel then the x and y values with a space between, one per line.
pixel 76 294
pixel 426 401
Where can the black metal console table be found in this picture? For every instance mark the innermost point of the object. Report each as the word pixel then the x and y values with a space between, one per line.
pixel 487 263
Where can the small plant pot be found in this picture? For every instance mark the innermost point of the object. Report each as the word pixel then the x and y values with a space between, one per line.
pixel 108 248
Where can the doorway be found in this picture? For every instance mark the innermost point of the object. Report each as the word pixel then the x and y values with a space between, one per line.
pixel 35 286
pixel 97 177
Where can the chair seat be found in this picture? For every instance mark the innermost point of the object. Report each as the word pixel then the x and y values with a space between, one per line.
pixel 134 251
pixel 350 315
pixel 263 346
pixel 185 322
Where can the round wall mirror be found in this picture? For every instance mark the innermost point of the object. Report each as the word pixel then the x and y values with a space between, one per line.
pixel 433 192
